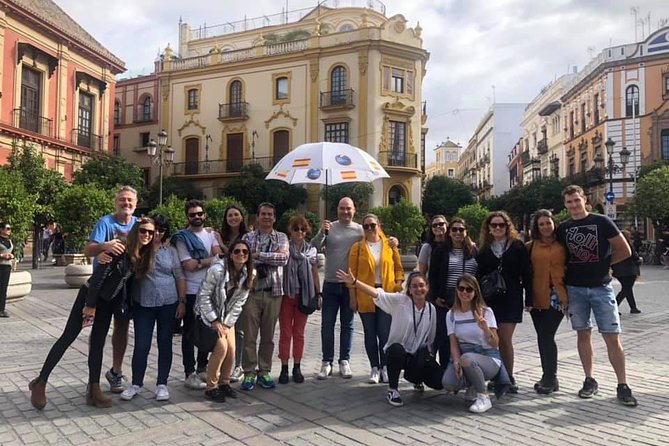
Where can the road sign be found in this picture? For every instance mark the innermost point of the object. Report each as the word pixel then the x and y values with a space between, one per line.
pixel 611 211
pixel 610 196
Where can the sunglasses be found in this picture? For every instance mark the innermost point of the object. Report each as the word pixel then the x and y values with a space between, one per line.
pixel 195 214
pixel 465 289
pixel 300 229
pixel 8 228
pixel 498 225
pixel 368 226
pixel 439 224
pixel 146 231
pixel 161 230
pixel 238 251
pixel 458 229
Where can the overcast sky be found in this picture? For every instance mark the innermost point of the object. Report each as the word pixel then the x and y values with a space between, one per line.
pixel 516 45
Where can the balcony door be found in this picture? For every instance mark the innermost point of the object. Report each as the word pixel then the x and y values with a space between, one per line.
pixel 236 99
pixel 192 155
pixel 30 100
pixel 338 85
pixel 397 155
pixel 85 120
pixel 235 146
pixel 281 140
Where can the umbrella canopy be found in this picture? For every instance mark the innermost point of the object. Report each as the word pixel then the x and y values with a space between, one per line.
pixel 327 163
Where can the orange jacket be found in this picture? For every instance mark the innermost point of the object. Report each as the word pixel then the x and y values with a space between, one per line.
pixel 548 269
pixel 362 264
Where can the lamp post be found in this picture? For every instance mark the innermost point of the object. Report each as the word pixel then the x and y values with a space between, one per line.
pixel 611 167
pixel 555 165
pixel 162 155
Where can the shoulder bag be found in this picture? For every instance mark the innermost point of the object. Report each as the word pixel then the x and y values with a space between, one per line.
pixel 493 285
pixel 202 336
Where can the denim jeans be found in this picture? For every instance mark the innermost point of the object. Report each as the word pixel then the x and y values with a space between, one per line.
pixel 335 299
pixel 377 329
pixel 145 318
pixel 600 301
pixel 187 348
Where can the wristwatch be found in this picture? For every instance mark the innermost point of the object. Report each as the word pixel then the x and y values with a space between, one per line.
pixel 199 263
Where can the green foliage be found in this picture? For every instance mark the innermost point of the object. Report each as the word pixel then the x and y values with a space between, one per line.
pixel 473 215
pixel 17 207
pixel 358 192
pixel 173 209
pixel 216 210
pixel 561 216
pixel 251 189
pixel 403 220
pixel 77 209
pixel 180 187
pixel 646 169
pixel 314 221
pixel 652 196
pixel 445 195
pixel 109 173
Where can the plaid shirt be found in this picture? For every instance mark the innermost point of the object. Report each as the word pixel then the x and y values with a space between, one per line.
pixel 276 258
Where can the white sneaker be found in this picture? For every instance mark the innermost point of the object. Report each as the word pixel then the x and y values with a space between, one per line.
pixel 345 369
pixel 162 394
pixel 194 382
pixel 130 392
pixel 373 376
pixel 384 374
pixel 237 374
pixel 326 370
pixel 202 376
pixel 470 394
pixel 481 404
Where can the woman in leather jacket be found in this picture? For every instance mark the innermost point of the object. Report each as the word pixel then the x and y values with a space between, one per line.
pixel 219 303
pixel 105 293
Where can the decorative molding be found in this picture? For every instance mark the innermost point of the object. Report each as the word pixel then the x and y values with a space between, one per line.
pixel 313 70
pixel 277 114
pixel 385 131
pixel 363 63
pixel 410 146
pixel 399 108
pixel 194 123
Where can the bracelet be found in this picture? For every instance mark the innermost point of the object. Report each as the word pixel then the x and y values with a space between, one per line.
pixel 182 301
pixel 355 281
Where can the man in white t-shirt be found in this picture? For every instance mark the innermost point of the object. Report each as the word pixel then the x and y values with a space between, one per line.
pixel 195 261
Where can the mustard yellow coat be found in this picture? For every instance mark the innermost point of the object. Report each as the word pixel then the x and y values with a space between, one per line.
pixel 362 264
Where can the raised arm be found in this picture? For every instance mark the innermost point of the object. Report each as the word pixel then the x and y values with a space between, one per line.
pixel 347 278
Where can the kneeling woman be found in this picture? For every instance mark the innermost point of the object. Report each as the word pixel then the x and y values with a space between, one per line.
pixel 474 345
pixel 222 295
pixel 412 332
pixel 105 293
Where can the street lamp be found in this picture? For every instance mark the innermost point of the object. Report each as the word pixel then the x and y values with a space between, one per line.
pixel 555 165
pixel 611 167
pixel 161 155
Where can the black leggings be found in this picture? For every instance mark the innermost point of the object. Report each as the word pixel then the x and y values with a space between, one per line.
pixel 546 323
pixel 397 360
pixel 5 271
pixel 70 333
pixel 103 315
pixel 627 291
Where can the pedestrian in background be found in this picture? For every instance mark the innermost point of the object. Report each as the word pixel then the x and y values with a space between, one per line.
pixel 6 257
pixel 549 295
pixel 626 272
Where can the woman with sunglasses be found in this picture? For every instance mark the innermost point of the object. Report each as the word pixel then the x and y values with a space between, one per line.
pixel 233 228
pixel 549 295
pixel 501 247
pixel 375 263
pixel 300 283
pixel 474 343
pixel 6 257
pixel 219 303
pixel 105 293
pixel 412 329
pixel 450 260
pixel 159 298
pixel 436 235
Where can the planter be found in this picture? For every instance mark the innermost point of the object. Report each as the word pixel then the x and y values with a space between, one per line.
pixel 321 260
pixel 20 284
pixel 409 262
pixel 77 275
pixel 70 259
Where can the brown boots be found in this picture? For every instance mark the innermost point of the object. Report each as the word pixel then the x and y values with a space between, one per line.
pixel 37 393
pixel 95 397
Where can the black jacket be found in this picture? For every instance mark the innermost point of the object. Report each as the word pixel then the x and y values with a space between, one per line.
pixel 628 267
pixel 438 272
pixel 109 280
pixel 516 269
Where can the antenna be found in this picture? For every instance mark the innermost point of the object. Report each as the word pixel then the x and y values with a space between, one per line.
pixel 634 10
pixel 591 51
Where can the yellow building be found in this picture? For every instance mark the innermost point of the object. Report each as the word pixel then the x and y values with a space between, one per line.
pixel 446 156
pixel 57 85
pixel 250 91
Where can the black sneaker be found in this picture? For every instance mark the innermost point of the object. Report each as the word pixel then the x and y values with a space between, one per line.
pixel 283 376
pixel 227 391
pixel 513 388
pixel 590 388
pixel 394 398
pixel 625 396
pixel 215 394
pixel 491 386
pixel 635 311
pixel 298 377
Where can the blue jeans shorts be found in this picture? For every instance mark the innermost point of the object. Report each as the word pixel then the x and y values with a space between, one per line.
pixel 598 300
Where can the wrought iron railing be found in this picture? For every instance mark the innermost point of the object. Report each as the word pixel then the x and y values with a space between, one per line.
pixel 231 165
pixel 32 122
pixel 233 110
pixel 337 98
pixel 84 138
pixel 398 159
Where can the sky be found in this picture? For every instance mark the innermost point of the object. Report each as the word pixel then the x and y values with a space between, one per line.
pixel 480 50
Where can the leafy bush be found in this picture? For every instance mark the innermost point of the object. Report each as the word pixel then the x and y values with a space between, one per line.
pixel 473 215
pixel 314 221
pixel 445 195
pixel 17 208
pixel 77 210
pixel 182 188
pixel 652 196
pixel 216 210
pixel 110 173
pixel 173 209
pixel 358 192
pixel 403 220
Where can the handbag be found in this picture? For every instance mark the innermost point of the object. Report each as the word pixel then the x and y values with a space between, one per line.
pixel 201 335
pixel 493 285
pixel 308 305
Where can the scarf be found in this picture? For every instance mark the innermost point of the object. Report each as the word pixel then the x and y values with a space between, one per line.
pixel 193 244
pixel 297 276
pixel 499 247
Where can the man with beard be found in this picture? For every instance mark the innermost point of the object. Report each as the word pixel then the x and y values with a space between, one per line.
pixel 107 239
pixel 197 248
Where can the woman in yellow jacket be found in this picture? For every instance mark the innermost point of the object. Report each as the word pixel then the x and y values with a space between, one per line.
pixel 374 262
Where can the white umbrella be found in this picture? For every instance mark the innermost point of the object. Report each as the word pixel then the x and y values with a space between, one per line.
pixel 327 163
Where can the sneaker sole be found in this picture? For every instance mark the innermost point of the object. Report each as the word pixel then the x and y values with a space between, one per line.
pixel 265 386
pixel 395 404
pixel 628 403
pixel 163 398
pixel 126 398
pixel 587 396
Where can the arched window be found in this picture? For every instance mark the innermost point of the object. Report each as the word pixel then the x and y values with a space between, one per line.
pixel 192 155
pixel 632 101
pixel 193 99
pixel 346 27
pixel 395 194
pixel 117 113
pixel 281 144
pixel 338 84
pixel 664 144
pixel 236 98
pixel 145 112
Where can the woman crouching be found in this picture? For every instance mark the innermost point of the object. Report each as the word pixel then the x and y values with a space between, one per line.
pixel 474 346
pixel 219 303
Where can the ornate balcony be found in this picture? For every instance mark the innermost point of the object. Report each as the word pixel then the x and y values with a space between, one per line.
pixel 234 111
pixel 398 159
pixel 337 99
pixel 86 139
pixel 220 166
pixel 32 122
pixel 542 146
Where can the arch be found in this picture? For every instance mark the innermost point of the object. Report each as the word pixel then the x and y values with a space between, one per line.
pixel 192 154
pixel 395 193
pixel 632 100
pixel 236 97
pixel 145 108
pixel 346 27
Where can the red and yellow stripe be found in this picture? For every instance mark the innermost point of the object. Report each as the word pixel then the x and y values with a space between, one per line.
pixel 304 162
pixel 282 174
pixel 348 175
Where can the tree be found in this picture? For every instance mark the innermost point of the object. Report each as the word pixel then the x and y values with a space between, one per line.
pixel 173 209
pixel 251 189
pixel 652 196
pixel 282 223
pixel 403 220
pixel 77 209
pixel 109 173
pixel 473 215
pixel 17 207
pixel 445 195
pixel 216 210
pixel 180 187
pixel 358 192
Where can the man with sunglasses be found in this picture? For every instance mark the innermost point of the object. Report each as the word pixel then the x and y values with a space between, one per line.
pixel 197 249
pixel 269 251
pixel 107 239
